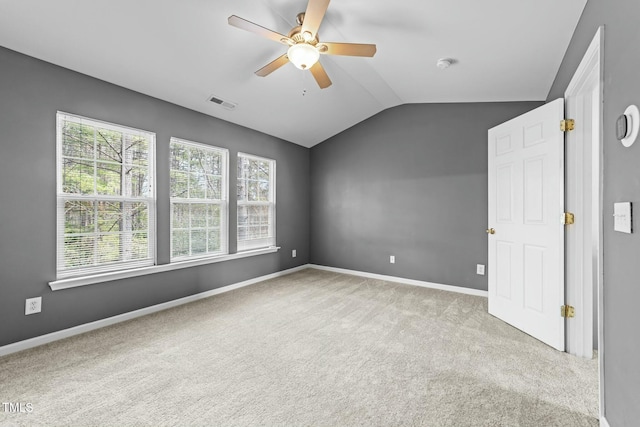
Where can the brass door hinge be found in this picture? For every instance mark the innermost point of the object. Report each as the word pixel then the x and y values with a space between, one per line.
pixel 567 311
pixel 568 218
pixel 567 125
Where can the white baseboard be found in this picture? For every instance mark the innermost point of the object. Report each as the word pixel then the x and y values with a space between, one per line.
pixel 80 329
pixel 604 422
pixel 420 283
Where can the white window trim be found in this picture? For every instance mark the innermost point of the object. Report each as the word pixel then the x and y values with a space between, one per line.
pixel 272 184
pixel 74 282
pixel 224 222
pixel 152 199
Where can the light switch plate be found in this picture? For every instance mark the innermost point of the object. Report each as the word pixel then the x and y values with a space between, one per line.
pixel 622 217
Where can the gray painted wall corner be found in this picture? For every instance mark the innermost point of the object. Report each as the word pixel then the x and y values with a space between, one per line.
pixel 409 182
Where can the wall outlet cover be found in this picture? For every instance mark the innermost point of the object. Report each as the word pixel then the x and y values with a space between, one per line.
pixel 480 269
pixel 33 305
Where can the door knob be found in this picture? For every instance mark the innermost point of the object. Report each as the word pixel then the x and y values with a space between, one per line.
pixel 491 231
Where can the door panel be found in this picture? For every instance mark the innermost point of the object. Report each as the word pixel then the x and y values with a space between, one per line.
pixel 526 201
pixel 504 196
pixel 534 191
pixel 533 278
pixel 504 279
pixel 533 135
pixel 503 145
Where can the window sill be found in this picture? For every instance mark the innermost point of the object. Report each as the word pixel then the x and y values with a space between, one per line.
pixel 74 282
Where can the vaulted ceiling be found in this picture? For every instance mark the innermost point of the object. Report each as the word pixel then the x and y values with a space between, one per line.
pixel 184 52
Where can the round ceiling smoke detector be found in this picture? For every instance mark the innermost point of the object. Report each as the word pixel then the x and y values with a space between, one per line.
pixel 444 63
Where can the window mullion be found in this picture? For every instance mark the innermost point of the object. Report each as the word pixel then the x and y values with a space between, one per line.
pixel 189 231
pixel 96 231
pixel 125 191
pixel 95 162
pixel 188 172
pixel 126 234
pixel 188 203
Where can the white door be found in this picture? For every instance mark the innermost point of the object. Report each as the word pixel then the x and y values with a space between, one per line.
pixel 526 240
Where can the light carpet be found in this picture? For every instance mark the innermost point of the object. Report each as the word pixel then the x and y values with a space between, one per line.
pixel 311 348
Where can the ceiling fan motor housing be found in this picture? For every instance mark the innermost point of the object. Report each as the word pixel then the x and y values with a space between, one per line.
pixel 297 36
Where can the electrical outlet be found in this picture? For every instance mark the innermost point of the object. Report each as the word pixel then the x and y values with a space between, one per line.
pixel 33 305
pixel 392 259
pixel 294 253
pixel 480 269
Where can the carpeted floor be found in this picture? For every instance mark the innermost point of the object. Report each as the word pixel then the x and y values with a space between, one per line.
pixel 311 348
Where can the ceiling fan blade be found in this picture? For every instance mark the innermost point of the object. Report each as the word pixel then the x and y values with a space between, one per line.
pixel 243 24
pixel 348 49
pixel 313 16
pixel 320 75
pixel 272 66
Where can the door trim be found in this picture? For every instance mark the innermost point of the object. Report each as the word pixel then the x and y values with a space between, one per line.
pixel 592 62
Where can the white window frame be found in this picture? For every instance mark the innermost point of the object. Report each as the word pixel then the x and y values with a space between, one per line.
pixel 223 203
pixel 97 269
pixel 252 244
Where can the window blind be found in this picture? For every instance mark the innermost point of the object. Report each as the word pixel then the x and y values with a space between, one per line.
pixel 105 197
pixel 256 202
pixel 199 200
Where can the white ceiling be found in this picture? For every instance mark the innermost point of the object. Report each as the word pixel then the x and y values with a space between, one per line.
pixel 184 51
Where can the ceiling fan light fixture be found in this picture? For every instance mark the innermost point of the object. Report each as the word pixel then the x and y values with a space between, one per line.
pixel 303 55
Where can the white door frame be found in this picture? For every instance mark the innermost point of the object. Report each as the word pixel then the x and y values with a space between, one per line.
pixel 581 292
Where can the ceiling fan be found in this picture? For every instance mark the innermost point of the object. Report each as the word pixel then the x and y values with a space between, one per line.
pixel 304 45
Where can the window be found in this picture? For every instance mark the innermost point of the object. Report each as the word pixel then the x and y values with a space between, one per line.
pixel 256 202
pixel 106 197
pixel 199 206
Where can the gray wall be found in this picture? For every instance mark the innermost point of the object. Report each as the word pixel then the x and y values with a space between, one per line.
pixel 410 182
pixel 31 91
pixel 621 183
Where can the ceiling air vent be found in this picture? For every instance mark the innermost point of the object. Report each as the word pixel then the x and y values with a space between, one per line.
pixel 225 104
